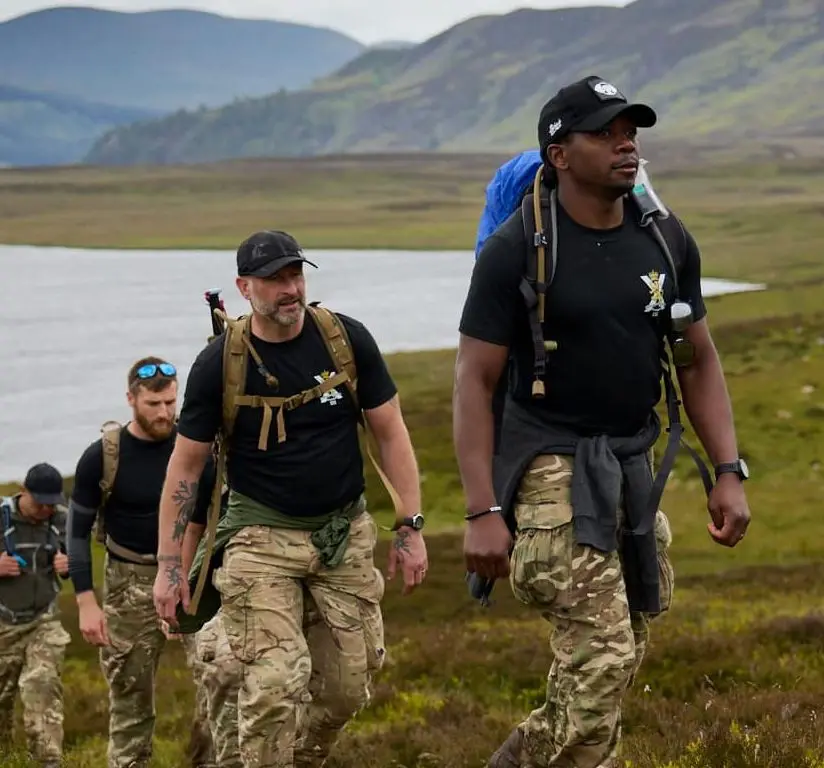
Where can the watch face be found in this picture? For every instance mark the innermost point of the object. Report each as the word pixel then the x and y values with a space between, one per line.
pixel 745 470
pixel 417 522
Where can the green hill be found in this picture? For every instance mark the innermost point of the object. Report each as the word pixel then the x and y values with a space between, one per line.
pixel 164 60
pixel 43 129
pixel 731 69
pixel 70 74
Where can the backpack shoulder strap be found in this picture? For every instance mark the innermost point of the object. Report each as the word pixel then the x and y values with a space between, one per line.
pixel 672 238
pixel 110 442
pixel 236 348
pixel 540 219
pixel 7 506
pixel 338 345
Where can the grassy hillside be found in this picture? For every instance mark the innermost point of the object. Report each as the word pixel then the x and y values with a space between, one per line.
pixel 44 129
pixel 734 674
pixel 710 67
pixel 68 75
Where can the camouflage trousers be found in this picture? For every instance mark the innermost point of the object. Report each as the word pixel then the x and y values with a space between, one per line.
pixel 597 643
pixel 218 676
pixel 129 663
pixel 307 666
pixel 31 661
pixel 201 748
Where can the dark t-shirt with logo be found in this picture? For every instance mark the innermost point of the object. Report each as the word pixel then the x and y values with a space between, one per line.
pixel 605 308
pixel 319 466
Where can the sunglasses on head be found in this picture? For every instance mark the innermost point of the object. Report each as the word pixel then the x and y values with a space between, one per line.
pixel 150 370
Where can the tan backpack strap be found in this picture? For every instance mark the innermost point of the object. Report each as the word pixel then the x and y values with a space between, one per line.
pixel 235 359
pixel 110 443
pixel 283 404
pixel 211 528
pixel 340 349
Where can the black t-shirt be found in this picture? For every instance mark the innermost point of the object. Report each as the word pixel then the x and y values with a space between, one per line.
pixel 601 308
pixel 319 466
pixel 131 513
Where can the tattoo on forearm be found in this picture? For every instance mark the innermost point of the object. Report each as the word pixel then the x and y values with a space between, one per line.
pixel 401 542
pixel 185 498
pixel 174 574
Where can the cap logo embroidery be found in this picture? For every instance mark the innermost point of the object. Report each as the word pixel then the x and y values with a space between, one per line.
pixel 554 128
pixel 605 89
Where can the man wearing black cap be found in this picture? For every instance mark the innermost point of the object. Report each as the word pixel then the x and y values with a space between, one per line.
pixel 32 639
pixel 566 509
pixel 296 516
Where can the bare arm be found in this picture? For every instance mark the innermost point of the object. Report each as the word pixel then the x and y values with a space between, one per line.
pixel 397 456
pixel 178 498
pixel 478 369
pixel 192 537
pixel 706 399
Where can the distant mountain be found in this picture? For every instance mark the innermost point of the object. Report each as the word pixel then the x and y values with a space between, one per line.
pixel 731 69
pixel 164 60
pixel 393 44
pixel 43 129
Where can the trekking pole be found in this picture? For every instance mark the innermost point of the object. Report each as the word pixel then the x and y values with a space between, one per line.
pixel 215 302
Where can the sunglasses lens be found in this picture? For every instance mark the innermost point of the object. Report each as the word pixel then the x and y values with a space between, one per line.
pixel 151 369
pixel 146 371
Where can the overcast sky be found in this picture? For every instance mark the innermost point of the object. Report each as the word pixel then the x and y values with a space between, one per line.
pixel 369 21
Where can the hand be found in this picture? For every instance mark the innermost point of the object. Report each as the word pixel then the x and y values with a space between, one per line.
pixel 728 509
pixel 487 542
pixel 167 631
pixel 8 565
pixel 93 623
pixel 170 588
pixel 409 551
pixel 61 563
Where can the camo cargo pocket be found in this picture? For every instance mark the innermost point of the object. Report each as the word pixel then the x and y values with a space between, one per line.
pixel 237 614
pixel 541 559
pixel 666 573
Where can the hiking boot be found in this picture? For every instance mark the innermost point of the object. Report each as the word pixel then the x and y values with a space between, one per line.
pixel 508 755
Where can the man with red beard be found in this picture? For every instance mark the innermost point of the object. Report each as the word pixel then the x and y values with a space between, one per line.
pixel 127 628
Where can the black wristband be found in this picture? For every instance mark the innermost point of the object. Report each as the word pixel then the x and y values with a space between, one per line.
pixel 476 515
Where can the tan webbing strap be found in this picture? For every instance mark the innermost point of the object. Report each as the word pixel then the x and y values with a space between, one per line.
pixel 340 349
pixel 283 404
pixel 110 444
pixel 538 386
pixel 128 554
pixel 235 359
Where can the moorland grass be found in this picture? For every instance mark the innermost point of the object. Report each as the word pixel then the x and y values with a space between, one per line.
pixel 734 673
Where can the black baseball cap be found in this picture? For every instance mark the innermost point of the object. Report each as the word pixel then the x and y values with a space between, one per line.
pixel 587 105
pixel 264 253
pixel 45 484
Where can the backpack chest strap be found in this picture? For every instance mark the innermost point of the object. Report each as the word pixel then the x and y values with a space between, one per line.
pixel 282 404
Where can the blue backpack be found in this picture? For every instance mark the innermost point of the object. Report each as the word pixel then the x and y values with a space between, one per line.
pixel 504 192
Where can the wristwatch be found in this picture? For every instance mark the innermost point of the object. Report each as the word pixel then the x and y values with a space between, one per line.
pixel 738 467
pixel 415 522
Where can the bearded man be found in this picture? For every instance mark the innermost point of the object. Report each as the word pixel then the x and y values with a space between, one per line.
pixel 119 478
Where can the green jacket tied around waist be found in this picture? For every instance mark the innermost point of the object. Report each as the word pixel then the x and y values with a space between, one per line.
pixel 330 535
